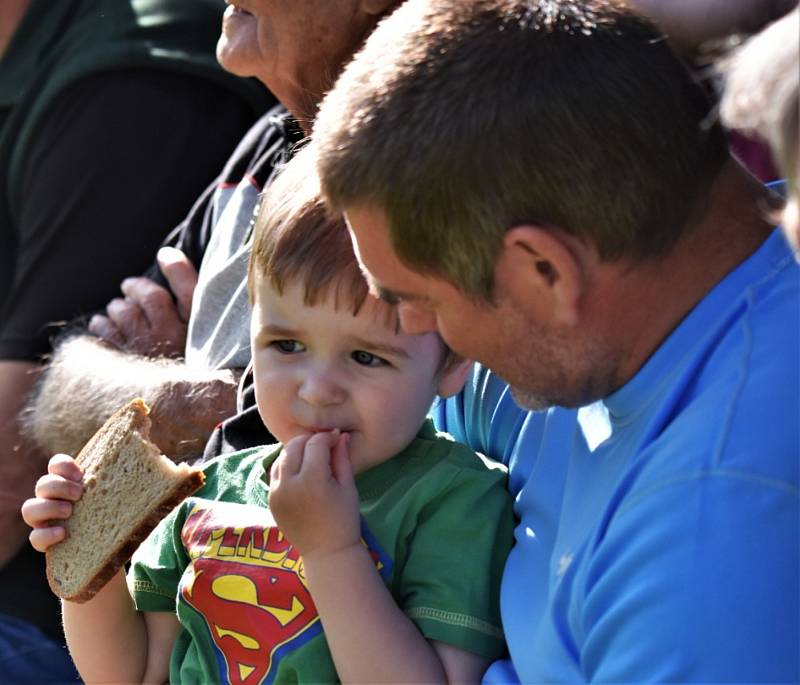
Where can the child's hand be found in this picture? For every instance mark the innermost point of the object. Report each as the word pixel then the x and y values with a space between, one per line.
pixel 55 494
pixel 313 496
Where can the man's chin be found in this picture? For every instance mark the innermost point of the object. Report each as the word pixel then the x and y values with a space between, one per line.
pixel 529 400
pixel 237 50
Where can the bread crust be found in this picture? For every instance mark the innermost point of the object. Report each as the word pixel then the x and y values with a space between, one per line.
pixel 108 442
pixel 120 556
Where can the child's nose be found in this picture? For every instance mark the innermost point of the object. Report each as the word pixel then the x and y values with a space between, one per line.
pixel 321 388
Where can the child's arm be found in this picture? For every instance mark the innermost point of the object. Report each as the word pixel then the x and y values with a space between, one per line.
pixel 111 642
pixel 315 503
pixel 108 639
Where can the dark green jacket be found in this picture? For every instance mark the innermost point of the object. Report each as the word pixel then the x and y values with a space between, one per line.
pixel 60 42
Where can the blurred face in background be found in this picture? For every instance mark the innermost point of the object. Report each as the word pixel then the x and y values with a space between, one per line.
pixel 11 13
pixel 295 47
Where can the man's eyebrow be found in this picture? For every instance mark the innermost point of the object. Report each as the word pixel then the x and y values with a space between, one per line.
pixel 387 295
pixel 394 297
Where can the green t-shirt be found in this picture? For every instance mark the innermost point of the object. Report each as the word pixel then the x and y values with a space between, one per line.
pixel 436 518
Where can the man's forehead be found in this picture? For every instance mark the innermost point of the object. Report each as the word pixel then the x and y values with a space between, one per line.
pixel 370 237
pixel 388 278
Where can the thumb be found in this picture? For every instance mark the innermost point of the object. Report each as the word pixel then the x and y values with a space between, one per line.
pixel 181 276
pixel 341 467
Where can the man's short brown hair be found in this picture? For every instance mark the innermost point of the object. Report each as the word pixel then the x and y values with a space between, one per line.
pixel 461 119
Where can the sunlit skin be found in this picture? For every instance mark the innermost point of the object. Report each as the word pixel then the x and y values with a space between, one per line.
pixel 295 48
pixel 545 362
pixel 791 222
pixel 319 368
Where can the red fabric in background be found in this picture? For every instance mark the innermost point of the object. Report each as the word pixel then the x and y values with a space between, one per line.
pixel 755 155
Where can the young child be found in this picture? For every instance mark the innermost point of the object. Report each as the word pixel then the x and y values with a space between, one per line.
pixel 365 523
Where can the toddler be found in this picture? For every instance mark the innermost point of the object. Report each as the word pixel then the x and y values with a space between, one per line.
pixel 365 547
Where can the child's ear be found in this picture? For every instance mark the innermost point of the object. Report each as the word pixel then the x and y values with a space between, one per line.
pixel 453 376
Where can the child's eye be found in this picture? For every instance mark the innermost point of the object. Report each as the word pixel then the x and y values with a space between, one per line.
pixel 367 359
pixel 288 346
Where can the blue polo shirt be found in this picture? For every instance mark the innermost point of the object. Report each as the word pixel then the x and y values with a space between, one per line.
pixel 658 529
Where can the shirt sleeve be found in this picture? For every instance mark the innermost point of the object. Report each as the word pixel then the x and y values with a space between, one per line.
pixel 451 577
pixel 713 589
pixel 483 415
pixel 158 564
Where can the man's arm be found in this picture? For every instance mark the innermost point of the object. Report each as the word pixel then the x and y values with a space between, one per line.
pixel 690 23
pixel 152 319
pixel 87 381
pixel 21 463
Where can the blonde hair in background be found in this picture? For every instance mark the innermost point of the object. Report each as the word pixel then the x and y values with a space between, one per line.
pixel 762 91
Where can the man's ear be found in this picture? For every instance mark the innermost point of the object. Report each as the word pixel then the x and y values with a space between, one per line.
pixel 378 7
pixel 539 265
pixel 453 376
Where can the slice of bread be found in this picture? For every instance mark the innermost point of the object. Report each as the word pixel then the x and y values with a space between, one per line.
pixel 129 486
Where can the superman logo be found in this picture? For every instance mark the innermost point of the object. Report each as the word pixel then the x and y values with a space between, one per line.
pixel 247 584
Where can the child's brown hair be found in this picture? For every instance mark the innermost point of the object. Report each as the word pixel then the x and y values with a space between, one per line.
pixel 297 237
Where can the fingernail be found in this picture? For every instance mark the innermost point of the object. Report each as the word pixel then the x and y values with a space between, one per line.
pixel 167 253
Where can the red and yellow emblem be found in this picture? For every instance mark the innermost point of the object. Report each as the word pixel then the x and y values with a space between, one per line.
pixel 247 582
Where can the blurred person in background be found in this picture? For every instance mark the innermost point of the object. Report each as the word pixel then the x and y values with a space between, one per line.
pixel 762 97
pixel 698 29
pixel 180 338
pixel 114 115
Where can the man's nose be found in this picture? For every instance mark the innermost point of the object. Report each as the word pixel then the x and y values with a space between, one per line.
pixel 321 387
pixel 415 319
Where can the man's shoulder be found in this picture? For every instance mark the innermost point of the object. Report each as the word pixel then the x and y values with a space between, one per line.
pixel 749 388
pixel 262 149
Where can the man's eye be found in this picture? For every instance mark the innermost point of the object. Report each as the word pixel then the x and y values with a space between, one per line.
pixel 367 359
pixel 287 346
pixel 388 296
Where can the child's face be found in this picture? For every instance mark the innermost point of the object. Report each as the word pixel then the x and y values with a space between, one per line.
pixel 318 368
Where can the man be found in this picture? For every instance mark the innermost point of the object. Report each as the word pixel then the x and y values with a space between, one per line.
pixel 296 49
pixel 556 199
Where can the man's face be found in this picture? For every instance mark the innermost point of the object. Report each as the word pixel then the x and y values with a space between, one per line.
pixel 545 364
pixel 291 46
